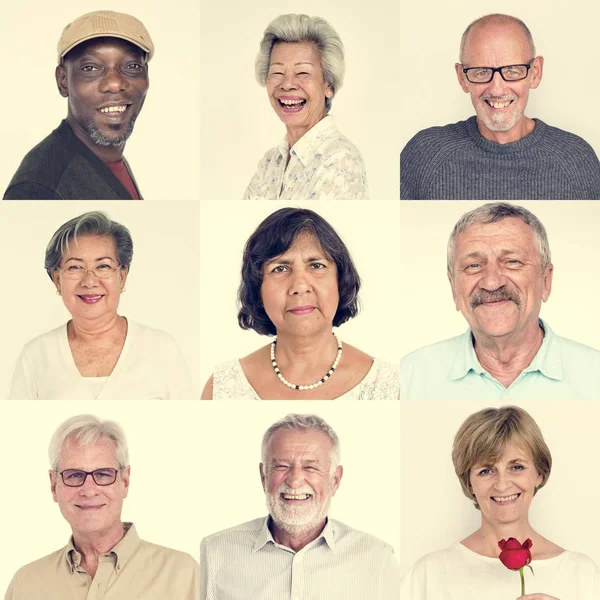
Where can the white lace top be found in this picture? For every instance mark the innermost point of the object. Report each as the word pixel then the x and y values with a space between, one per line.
pixel 324 165
pixel 382 382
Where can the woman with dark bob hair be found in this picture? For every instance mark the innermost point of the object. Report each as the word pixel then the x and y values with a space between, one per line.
pixel 298 282
pixel 98 354
pixel 501 461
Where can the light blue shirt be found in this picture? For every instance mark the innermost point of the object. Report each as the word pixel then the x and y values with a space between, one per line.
pixel 449 370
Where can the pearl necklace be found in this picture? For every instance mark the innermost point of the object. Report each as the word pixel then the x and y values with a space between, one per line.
pixel 312 386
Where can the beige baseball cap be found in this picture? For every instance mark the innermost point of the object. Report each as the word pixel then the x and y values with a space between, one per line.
pixel 104 23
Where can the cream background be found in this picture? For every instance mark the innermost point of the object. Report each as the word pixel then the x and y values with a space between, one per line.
pixel 564 34
pixel 428 314
pixel 164 149
pixel 194 470
pixel 238 124
pixel 436 514
pixel 370 234
pixel 162 288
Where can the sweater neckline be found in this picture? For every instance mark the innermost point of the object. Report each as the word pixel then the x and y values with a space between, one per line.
pixel 525 143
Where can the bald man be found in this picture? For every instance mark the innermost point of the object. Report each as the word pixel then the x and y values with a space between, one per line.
pixel 499 154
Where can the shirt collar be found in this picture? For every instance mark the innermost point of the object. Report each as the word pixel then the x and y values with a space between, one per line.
pixel 265 536
pixel 546 361
pixel 305 147
pixel 121 553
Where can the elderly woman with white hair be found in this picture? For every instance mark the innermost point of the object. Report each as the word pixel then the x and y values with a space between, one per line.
pixel 301 63
pixel 105 557
pixel 97 354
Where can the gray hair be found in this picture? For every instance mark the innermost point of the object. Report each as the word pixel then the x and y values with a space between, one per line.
pixel 498 19
pixel 87 430
pixel 302 28
pixel 296 422
pixel 491 213
pixel 89 223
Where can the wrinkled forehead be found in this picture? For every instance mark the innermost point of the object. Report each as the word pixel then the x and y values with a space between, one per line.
pixel 509 233
pixel 295 53
pixel 495 44
pixel 293 445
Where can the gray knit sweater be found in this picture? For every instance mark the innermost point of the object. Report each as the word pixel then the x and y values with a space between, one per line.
pixel 456 162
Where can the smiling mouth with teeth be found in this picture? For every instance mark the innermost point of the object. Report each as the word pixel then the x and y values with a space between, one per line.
pixel 114 109
pixel 502 499
pixel 296 496
pixel 291 103
pixel 498 105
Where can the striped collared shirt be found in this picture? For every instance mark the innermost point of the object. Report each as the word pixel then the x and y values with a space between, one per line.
pixel 245 562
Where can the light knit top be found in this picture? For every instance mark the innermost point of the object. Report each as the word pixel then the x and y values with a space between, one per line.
pixel 458 573
pixel 323 165
pixel 456 162
pixel 150 367
pixel 382 382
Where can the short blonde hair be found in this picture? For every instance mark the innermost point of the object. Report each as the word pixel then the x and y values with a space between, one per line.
pixel 484 436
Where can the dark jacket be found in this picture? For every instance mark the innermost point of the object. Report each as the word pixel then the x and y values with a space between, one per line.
pixel 61 167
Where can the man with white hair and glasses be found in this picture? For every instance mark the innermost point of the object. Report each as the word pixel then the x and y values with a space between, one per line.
pixel 499 154
pixel 298 552
pixel 105 558
pixel 500 271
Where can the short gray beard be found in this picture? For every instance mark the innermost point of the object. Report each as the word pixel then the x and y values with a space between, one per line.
pixel 293 525
pixel 108 142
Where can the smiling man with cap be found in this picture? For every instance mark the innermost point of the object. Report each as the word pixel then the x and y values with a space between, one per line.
pixel 103 72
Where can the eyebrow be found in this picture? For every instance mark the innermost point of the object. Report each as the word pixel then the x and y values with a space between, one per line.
pixel 304 62
pixel 286 261
pixel 287 460
pixel 97 259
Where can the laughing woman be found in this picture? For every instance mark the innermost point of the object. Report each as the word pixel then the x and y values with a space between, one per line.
pixel 301 63
pixel 502 461
pixel 298 282
pixel 97 354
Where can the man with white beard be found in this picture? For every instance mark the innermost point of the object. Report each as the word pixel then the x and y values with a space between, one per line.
pixel 499 154
pixel 298 552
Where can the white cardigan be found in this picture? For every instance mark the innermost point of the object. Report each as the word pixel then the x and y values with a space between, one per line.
pixel 461 574
pixel 150 367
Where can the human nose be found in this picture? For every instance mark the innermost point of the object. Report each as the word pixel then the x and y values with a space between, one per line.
pixel 300 284
pixel 502 481
pixel 89 279
pixel 295 477
pixel 497 85
pixel 288 82
pixel 89 487
pixel 493 278
pixel 113 81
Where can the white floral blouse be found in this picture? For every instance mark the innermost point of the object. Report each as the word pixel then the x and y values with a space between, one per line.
pixel 323 165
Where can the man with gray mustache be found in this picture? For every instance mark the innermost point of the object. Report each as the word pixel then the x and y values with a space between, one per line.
pixel 298 552
pixel 500 271
pixel 500 153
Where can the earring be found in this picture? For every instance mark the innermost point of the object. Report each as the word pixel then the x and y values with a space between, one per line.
pixel 123 290
pixel 58 293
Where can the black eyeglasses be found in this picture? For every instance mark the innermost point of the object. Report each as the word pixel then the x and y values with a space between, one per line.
pixel 508 72
pixel 76 478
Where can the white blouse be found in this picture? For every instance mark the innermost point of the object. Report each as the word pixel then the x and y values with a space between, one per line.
pixel 382 382
pixel 323 165
pixel 150 367
pixel 458 573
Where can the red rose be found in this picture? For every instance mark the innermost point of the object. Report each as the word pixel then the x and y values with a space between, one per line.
pixel 515 555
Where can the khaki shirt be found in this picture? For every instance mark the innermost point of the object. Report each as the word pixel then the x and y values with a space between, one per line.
pixel 132 570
